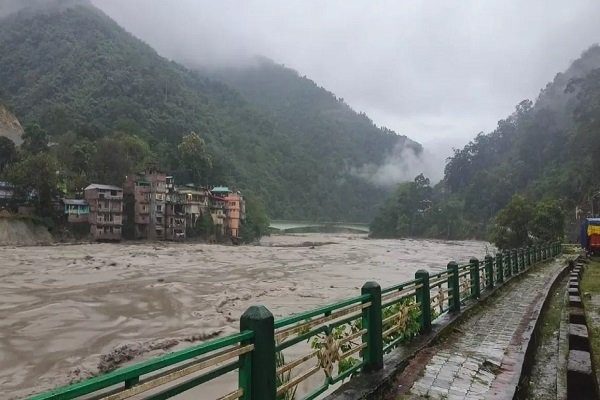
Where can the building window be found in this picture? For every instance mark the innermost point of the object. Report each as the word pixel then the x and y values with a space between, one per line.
pixel 159 208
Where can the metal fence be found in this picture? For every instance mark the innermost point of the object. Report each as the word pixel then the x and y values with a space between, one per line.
pixel 336 341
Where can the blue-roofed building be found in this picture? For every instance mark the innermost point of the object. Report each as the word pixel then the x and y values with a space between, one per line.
pixel 76 210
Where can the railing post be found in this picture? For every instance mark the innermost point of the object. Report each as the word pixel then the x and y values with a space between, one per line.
pixel 372 321
pixel 543 252
pixel 507 264
pixel 475 280
pixel 538 253
pixel 259 320
pixel 515 262
pixel 489 272
pixel 521 259
pixel 454 286
pixel 499 267
pixel 423 295
pixel 528 256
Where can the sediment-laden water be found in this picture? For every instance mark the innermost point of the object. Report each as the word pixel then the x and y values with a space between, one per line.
pixel 70 311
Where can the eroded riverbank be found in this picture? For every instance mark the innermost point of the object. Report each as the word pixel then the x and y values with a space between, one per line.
pixel 70 311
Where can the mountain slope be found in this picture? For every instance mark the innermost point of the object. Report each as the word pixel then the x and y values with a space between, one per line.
pixel 337 139
pixel 543 150
pixel 72 69
pixel 547 151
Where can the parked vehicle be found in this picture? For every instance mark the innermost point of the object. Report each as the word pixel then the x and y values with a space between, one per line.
pixel 590 235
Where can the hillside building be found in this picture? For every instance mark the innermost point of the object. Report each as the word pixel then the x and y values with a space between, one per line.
pixel 145 195
pixel 76 210
pixel 232 209
pixel 105 211
pixel 175 218
pixel 196 203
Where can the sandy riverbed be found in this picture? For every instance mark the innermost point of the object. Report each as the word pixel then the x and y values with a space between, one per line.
pixel 68 311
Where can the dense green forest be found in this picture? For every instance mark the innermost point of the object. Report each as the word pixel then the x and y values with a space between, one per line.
pixel 108 105
pixel 539 163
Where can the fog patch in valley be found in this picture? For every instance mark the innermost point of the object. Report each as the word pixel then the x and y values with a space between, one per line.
pixel 403 164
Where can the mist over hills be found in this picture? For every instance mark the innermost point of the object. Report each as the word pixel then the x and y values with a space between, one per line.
pixel 74 71
pixel 545 153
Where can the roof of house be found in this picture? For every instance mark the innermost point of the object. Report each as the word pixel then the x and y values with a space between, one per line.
pixel 220 189
pixel 75 202
pixel 100 186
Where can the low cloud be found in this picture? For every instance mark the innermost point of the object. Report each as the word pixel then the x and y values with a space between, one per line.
pixel 402 165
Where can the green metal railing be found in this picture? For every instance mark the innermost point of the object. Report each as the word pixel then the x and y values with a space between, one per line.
pixel 335 341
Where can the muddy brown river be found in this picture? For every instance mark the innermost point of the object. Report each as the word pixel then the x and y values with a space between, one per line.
pixel 70 311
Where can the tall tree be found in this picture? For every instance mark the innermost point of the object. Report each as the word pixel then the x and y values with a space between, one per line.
pixel 195 158
pixel 36 178
pixel 35 139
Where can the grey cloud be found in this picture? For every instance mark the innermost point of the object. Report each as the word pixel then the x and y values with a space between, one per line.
pixel 438 72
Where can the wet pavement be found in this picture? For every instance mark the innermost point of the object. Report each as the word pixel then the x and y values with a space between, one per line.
pixel 482 356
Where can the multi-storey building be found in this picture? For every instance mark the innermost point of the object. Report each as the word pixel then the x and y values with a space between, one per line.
pixel 233 214
pixel 137 207
pixel 196 203
pixel 217 212
pixel 175 220
pixel 233 203
pixel 105 211
pixel 146 200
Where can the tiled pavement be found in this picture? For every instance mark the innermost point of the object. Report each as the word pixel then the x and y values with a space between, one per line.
pixel 483 355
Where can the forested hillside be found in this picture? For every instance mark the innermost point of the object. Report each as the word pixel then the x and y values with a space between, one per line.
pixel 109 105
pixel 334 137
pixel 547 151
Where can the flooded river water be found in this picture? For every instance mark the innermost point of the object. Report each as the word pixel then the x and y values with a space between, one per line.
pixel 70 311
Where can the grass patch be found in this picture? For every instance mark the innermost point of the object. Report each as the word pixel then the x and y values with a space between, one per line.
pixel 540 382
pixel 590 290
pixel 591 277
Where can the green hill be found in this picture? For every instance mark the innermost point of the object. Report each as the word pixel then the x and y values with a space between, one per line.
pixel 546 151
pixel 82 78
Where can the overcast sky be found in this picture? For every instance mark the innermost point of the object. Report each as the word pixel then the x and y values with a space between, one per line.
pixel 436 71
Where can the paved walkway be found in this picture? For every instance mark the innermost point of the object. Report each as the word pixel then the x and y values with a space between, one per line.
pixel 482 357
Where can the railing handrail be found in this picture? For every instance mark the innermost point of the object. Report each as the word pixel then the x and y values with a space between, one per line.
pixel 123 374
pixel 282 322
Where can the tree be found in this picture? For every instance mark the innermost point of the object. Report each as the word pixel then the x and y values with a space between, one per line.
pixel 404 214
pixel 35 139
pixel 256 223
pixel 36 178
pixel 511 227
pixel 203 227
pixel 194 157
pixel 548 221
pixel 118 156
pixel 8 152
